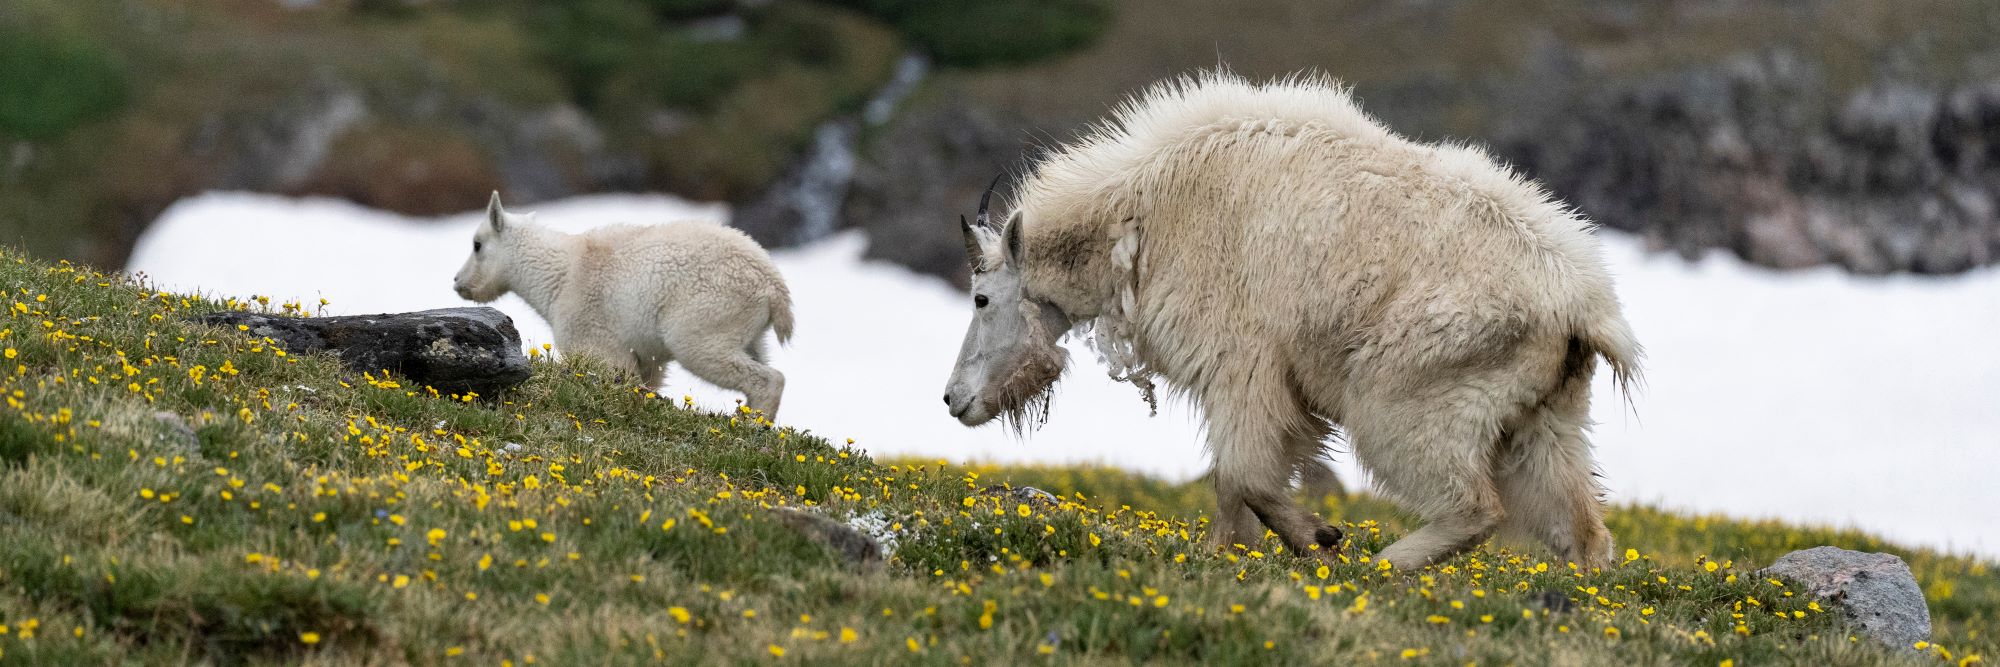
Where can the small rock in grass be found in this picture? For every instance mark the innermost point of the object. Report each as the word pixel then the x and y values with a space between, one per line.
pixel 853 547
pixel 178 433
pixel 1874 591
pixel 1028 495
pixel 1556 602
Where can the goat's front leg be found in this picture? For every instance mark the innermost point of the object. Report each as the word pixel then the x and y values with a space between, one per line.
pixel 1252 431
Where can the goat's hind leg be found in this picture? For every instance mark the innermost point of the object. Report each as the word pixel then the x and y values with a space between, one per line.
pixel 1434 456
pixel 1233 523
pixel 1546 480
pixel 1316 479
pixel 732 367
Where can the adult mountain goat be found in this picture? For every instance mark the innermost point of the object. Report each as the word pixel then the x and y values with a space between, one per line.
pixel 637 297
pixel 1290 264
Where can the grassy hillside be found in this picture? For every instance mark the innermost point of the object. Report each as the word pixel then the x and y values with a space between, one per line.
pixel 170 494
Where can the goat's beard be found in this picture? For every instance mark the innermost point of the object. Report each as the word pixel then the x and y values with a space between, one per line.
pixel 1022 398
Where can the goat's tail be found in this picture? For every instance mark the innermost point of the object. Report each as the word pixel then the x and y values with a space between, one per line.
pixel 780 303
pixel 1607 335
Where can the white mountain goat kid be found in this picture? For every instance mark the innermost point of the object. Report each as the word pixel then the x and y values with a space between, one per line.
pixel 1290 264
pixel 637 297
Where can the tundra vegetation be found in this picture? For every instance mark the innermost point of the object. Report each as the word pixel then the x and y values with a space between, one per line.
pixel 171 493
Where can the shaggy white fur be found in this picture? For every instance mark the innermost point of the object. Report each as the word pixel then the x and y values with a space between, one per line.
pixel 1290 264
pixel 638 297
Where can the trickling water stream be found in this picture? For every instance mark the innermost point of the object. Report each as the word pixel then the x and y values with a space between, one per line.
pixel 910 71
pixel 822 184
pixel 819 189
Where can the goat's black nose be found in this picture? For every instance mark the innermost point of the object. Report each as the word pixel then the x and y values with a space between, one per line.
pixel 947 399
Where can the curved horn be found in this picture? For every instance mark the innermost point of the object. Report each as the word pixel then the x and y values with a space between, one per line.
pixel 972 251
pixel 985 198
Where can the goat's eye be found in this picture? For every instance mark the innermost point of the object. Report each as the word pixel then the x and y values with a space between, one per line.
pixel 475 246
pixel 979 301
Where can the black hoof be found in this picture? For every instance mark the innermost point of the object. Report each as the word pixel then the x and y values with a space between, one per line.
pixel 1328 537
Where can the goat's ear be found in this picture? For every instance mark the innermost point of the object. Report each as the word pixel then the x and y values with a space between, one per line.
pixel 495 215
pixel 1013 236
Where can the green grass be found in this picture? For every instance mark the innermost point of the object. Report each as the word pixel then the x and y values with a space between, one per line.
pixel 174 494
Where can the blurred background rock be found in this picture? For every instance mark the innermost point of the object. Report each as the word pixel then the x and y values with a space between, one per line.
pixel 1859 133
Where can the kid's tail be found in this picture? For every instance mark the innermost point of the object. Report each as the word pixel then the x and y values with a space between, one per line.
pixel 780 302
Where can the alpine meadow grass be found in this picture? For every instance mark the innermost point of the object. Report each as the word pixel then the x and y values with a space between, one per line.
pixel 171 493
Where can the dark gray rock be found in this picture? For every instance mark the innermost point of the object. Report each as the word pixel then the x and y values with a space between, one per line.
pixel 1555 602
pixel 455 350
pixel 852 546
pixel 1766 151
pixel 1874 591
pixel 1765 156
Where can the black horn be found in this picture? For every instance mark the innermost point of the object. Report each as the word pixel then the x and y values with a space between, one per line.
pixel 986 198
pixel 972 252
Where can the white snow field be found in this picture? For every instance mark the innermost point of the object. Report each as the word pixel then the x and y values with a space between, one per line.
pixel 1811 396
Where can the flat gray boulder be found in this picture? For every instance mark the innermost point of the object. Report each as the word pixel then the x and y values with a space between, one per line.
pixel 455 350
pixel 1875 591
